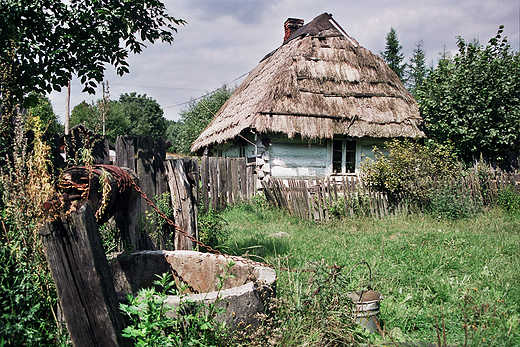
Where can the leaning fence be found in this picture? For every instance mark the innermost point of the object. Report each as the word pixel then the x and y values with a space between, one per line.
pixel 215 183
pixel 320 199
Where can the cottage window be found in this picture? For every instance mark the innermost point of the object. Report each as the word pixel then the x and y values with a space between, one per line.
pixel 343 156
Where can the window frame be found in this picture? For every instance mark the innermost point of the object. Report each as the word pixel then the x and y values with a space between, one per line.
pixel 345 169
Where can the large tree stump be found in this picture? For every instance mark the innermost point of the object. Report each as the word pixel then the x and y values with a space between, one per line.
pixel 77 261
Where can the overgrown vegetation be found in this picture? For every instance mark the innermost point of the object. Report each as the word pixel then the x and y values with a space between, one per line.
pixel 411 170
pixel 194 119
pixel 211 228
pixel 472 101
pixel 453 277
pixel 28 298
pixel 156 323
pixel 132 115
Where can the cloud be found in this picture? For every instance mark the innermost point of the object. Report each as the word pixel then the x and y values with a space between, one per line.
pixel 224 39
pixel 244 11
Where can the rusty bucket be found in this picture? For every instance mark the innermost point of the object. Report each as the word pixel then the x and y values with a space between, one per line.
pixel 366 303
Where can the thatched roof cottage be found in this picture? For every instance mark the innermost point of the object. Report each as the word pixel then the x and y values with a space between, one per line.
pixel 313 107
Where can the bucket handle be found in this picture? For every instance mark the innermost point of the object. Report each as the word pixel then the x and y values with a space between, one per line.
pixel 369 270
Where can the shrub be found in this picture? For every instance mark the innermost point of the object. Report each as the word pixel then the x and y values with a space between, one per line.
pixel 452 201
pixel 211 228
pixel 157 226
pixel 409 168
pixel 509 200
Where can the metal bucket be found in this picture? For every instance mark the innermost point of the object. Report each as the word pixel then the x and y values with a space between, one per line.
pixel 366 304
pixel 366 308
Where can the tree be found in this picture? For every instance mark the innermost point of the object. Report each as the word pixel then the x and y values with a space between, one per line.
pixel 473 100
pixel 416 70
pixel 48 120
pixel 90 116
pixel 195 119
pixel 393 55
pixel 132 115
pixel 144 114
pixel 44 42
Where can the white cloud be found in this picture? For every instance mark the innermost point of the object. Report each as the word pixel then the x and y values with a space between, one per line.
pixel 227 38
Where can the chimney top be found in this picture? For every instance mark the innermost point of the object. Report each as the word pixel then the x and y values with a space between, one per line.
pixel 290 27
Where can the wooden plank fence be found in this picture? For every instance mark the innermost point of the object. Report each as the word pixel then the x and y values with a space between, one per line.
pixel 215 183
pixel 317 199
pixel 225 182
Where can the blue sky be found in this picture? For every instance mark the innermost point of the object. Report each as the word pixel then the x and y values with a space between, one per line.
pixel 225 39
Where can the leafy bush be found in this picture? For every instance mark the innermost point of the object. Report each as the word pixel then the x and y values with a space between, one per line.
pixel 509 200
pixel 211 228
pixel 453 202
pixel 409 168
pixel 157 226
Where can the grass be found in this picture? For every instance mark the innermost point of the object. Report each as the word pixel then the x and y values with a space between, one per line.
pixel 457 281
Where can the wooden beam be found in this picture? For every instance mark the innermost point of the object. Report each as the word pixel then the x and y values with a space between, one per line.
pixel 79 267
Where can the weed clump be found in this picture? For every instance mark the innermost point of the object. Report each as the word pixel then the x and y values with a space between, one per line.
pixel 155 323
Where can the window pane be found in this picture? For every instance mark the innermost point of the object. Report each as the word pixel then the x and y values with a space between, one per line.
pixel 350 165
pixel 351 157
pixel 337 155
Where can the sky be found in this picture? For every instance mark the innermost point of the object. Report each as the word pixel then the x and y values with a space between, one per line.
pixel 224 40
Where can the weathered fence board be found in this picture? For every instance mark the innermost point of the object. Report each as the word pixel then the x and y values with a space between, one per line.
pixel 312 199
pixel 204 177
pixel 182 203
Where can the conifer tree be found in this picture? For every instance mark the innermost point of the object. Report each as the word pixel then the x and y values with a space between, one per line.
pixel 393 55
pixel 416 71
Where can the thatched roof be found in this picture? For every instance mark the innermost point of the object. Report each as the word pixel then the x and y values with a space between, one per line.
pixel 319 84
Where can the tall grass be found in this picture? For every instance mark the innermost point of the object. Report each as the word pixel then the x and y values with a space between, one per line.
pixel 457 280
pixel 28 301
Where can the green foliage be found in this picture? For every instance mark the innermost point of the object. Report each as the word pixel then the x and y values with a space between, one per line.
pixel 393 55
pixel 26 308
pixel 27 295
pixel 89 115
pixel 195 119
pixel 154 323
pixel 450 200
pixel 509 200
pixel 157 226
pixel 357 203
pixel 132 115
pixel 473 101
pixel 410 168
pixel 144 114
pixel 52 40
pixel 43 110
pixel 322 312
pixel 416 71
pixel 211 228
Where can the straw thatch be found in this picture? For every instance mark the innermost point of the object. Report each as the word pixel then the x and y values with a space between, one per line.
pixel 319 84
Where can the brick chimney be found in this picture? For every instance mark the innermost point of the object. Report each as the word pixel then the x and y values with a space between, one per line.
pixel 290 26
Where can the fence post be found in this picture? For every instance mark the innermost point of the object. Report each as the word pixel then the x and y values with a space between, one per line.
pixel 79 267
